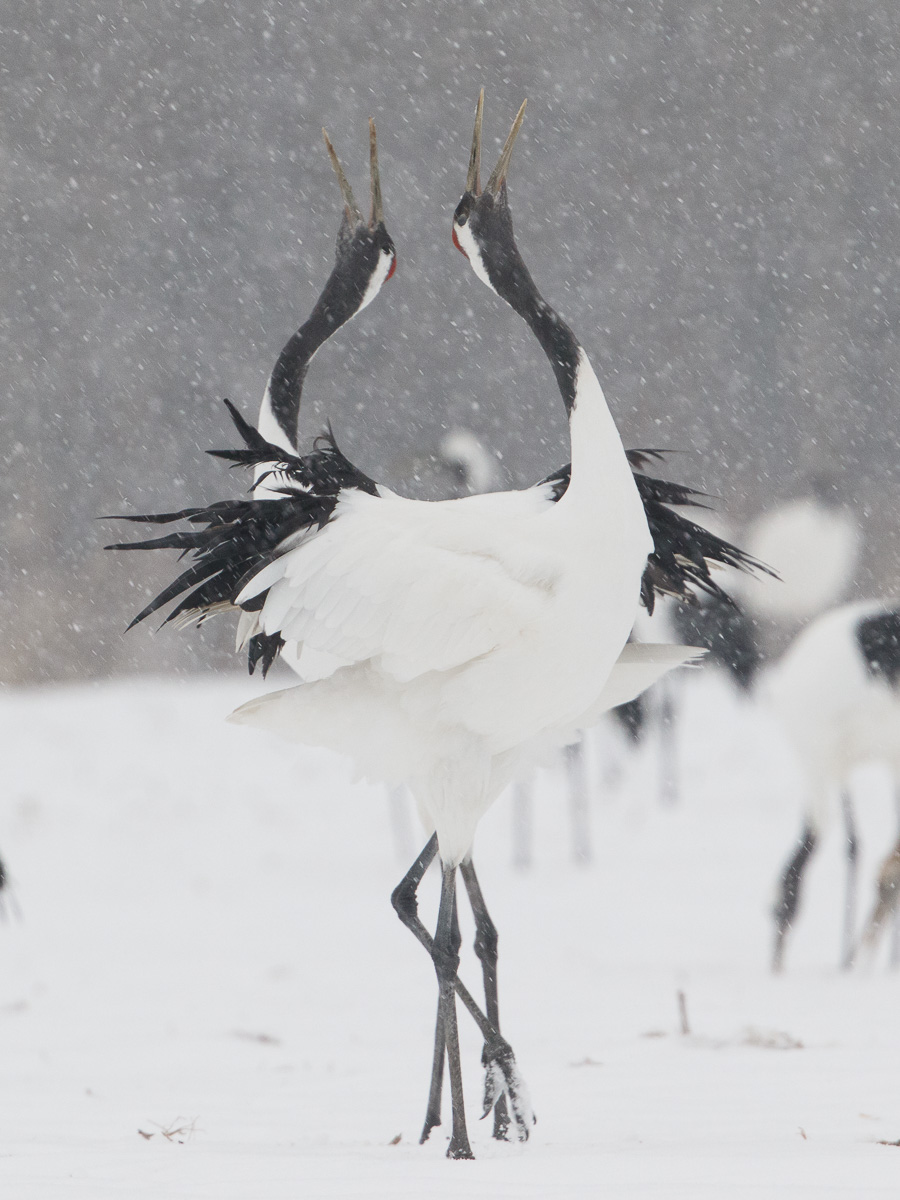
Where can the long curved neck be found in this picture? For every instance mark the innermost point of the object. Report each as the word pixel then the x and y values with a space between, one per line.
pixel 359 272
pixel 280 410
pixel 555 337
pixel 598 457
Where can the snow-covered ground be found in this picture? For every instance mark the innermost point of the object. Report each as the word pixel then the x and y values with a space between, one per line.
pixel 204 991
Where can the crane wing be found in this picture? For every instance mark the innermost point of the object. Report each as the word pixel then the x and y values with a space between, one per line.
pixel 417 587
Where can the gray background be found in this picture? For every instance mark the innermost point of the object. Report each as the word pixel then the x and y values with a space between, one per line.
pixel 707 191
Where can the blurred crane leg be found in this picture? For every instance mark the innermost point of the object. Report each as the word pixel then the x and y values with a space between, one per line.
pixel 523 825
pixel 668 745
pixel 851 848
pixel 576 778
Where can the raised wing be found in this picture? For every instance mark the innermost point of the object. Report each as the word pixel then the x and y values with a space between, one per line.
pixel 354 594
pixel 402 583
pixel 232 539
pixel 349 589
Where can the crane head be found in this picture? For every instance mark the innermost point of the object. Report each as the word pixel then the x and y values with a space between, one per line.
pixel 482 223
pixel 365 254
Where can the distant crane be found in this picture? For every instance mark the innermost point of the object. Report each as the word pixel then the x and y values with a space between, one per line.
pixel 837 693
pixel 813 544
pixel 472 635
pixel 471 465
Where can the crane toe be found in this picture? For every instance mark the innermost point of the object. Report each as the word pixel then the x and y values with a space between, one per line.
pixel 502 1078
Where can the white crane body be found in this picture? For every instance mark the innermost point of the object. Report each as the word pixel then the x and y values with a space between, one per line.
pixel 813 547
pixel 469 627
pixel 836 691
pixel 836 713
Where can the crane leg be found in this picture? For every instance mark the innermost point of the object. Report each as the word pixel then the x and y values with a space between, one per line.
pixel 433 1111
pixel 436 1087
pixel 576 776
pixel 886 901
pixel 894 959
pixel 789 893
pixel 851 848
pixel 668 746
pixel 894 956
pixel 523 824
pixel 502 1073
pixel 445 954
pixel 486 952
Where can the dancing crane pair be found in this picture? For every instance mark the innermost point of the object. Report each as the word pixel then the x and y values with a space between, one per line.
pixel 447 645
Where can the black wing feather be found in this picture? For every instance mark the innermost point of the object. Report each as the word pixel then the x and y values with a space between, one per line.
pixel 684 553
pixel 234 539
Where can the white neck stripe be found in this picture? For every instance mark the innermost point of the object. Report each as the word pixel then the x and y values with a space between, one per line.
pixel 385 262
pixel 466 239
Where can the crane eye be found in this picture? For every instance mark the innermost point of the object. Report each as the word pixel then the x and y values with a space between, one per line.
pixel 462 219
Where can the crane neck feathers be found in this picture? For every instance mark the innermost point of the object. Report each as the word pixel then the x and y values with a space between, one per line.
pixel 497 262
pixel 359 273
pixel 599 464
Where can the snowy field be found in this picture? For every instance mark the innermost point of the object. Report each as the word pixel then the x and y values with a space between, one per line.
pixel 205 992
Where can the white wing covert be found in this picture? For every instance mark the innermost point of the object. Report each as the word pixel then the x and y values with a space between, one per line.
pixel 398 582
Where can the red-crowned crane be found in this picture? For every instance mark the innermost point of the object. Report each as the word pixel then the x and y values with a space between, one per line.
pixel 813 543
pixel 836 691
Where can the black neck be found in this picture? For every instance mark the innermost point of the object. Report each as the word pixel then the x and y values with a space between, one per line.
pixel 358 253
pixel 512 281
pixel 286 381
pixel 556 338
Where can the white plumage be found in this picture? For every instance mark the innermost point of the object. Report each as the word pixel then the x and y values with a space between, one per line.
pixel 839 705
pixel 478 469
pixel 835 713
pixel 814 549
pixel 467 629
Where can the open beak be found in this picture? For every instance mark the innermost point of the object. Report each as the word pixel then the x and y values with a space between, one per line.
pixel 499 173
pixel 473 180
pixel 351 208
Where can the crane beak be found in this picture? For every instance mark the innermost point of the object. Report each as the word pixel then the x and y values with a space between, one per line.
pixel 473 181
pixel 377 207
pixel 354 216
pixel 499 173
